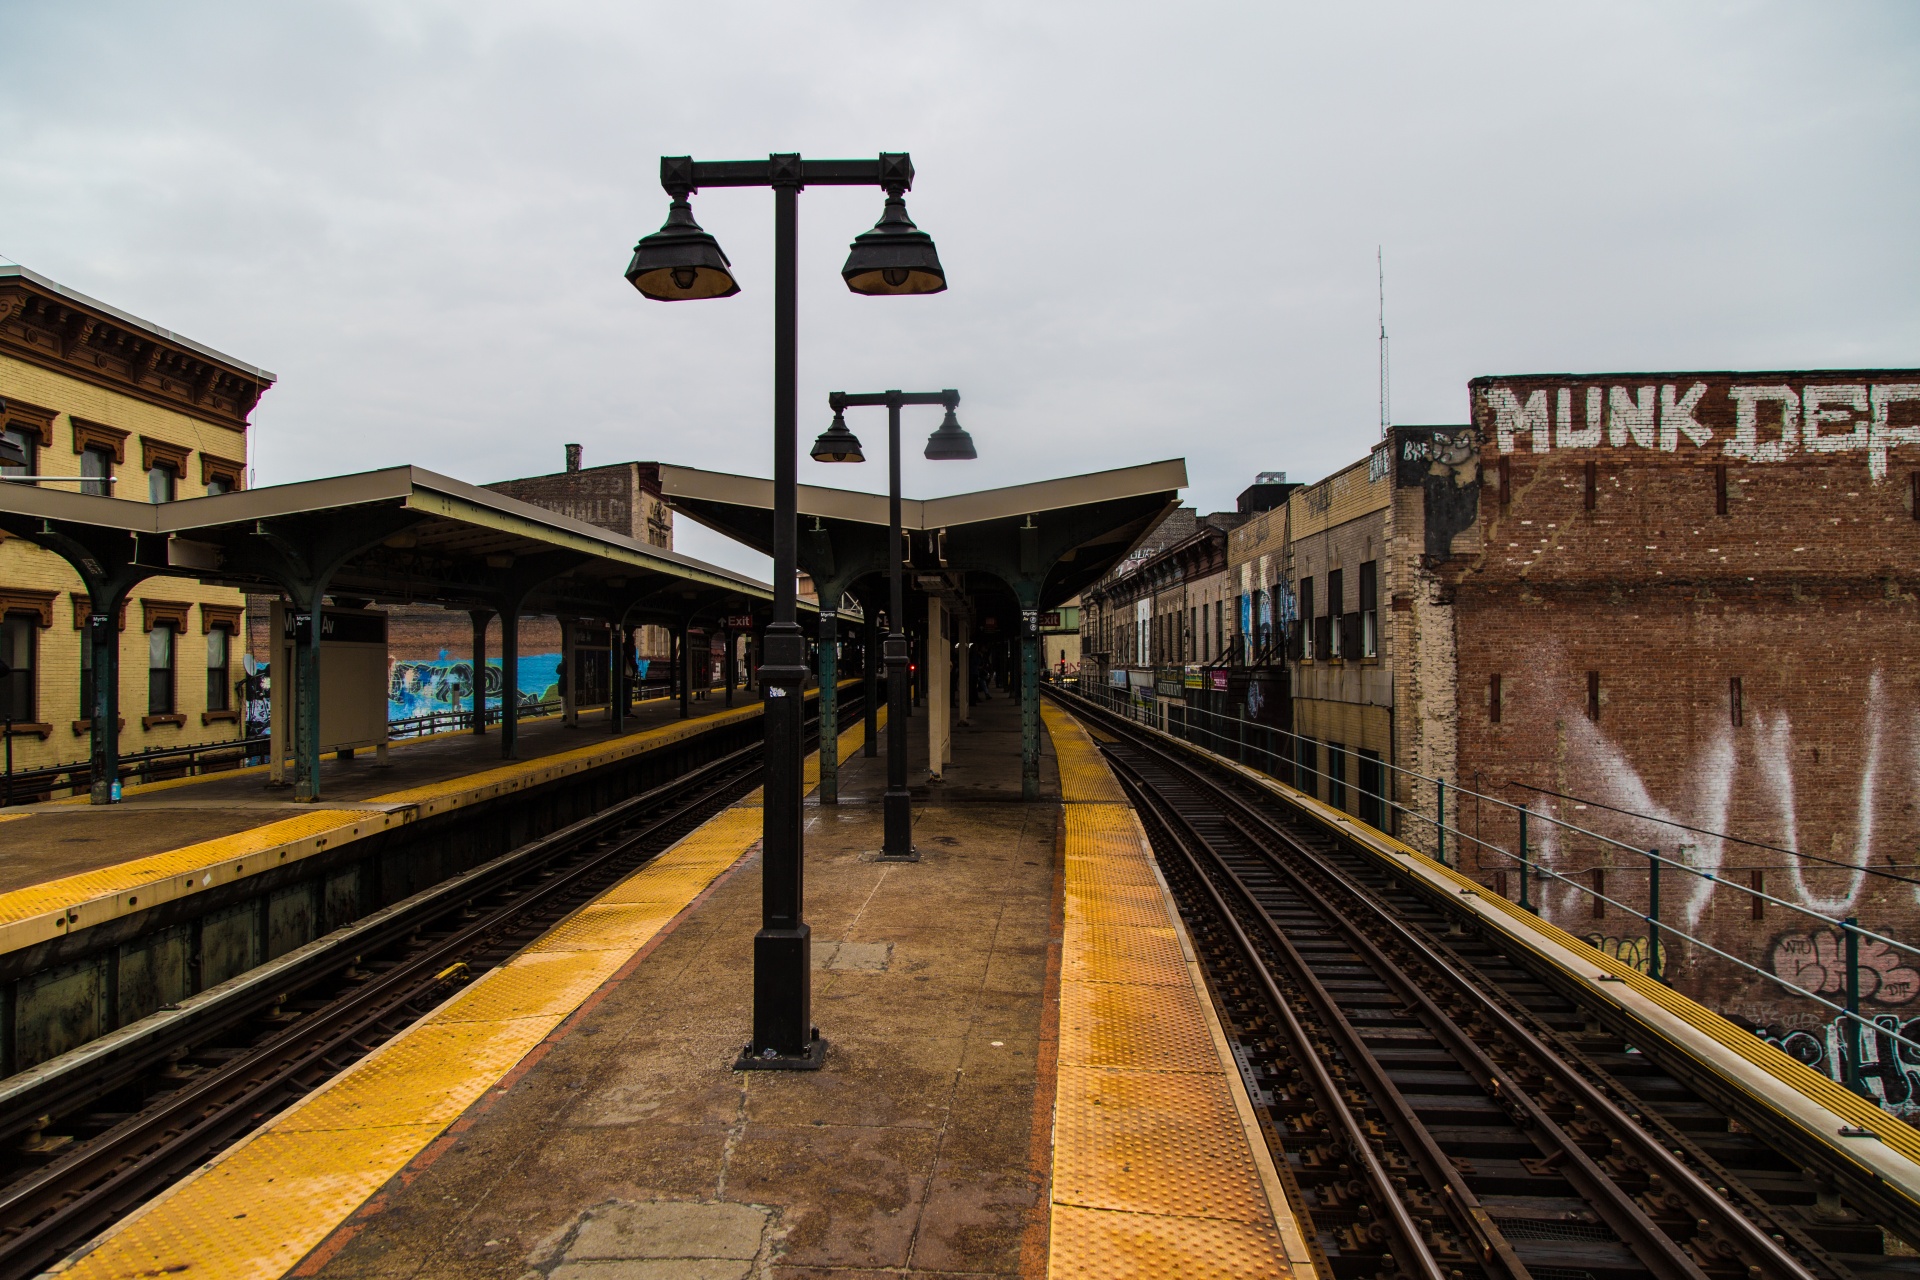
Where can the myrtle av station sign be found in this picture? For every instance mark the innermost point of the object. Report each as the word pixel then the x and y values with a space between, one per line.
pixel 1746 417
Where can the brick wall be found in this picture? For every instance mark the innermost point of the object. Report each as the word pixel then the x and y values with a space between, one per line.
pixel 1645 541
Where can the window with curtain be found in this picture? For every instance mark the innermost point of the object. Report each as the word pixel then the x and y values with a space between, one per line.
pixel 160 646
pixel 96 471
pixel 219 687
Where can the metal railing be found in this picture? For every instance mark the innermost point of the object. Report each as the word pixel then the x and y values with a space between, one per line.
pixel 24 786
pixel 1254 745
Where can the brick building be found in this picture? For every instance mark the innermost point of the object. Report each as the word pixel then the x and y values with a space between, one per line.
pixel 1674 609
pixel 135 411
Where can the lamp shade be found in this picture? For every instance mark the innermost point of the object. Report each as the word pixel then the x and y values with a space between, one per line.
pixel 837 444
pixel 680 262
pixel 950 443
pixel 894 257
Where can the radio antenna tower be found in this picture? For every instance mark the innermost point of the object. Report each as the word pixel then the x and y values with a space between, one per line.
pixel 1386 390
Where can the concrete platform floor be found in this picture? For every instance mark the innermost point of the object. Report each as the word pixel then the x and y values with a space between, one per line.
pixel 632 1150
pixel 42 842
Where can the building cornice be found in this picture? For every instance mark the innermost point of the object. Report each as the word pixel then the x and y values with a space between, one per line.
pixel 46 324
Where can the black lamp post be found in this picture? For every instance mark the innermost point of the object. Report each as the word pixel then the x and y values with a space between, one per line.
pixel 681 262
pixel 949 444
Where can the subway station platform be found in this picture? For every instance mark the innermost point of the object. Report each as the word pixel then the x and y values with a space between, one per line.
pixel 66 865
pixel 1023 1075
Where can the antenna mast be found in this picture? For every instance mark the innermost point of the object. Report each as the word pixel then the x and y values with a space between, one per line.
pixel 1386 392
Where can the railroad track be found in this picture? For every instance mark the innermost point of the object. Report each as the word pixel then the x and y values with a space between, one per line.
pixel 118 1125
pixel 1440 1112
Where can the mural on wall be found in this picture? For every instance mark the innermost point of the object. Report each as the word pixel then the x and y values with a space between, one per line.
pixel 1889 1070
pixel 417 687
pixel 1444 463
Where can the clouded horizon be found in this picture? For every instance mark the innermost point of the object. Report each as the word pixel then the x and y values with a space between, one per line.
pixel 1159 222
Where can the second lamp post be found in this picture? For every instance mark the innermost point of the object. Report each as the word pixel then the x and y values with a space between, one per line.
pixel 948 444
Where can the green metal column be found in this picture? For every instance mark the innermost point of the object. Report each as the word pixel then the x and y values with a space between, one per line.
pixel 308 626
pixel 509 678
pixel 1029 704
pixel 104 734
pixel 829 702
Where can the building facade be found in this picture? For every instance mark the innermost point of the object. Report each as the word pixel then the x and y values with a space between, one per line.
pixel 103 402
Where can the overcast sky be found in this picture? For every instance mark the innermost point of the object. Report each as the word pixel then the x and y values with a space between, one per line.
pixel 1158 221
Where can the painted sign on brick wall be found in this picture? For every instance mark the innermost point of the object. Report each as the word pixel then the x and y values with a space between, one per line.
pixel 1745 417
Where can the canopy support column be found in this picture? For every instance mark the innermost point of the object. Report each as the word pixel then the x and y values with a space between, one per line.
pixel 481 618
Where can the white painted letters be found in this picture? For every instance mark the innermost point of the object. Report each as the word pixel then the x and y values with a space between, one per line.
pixel 1676 416
pixel 1881 433
pixel 1746 441
pixel 1564 434
pixel 1814 401
pixel 1628 418
pixel 1509 416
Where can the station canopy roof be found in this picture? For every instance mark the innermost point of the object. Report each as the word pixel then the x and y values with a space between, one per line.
pixel 400 535
pixel 1059 536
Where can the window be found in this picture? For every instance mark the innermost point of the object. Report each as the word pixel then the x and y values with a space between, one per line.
pixel 19 690
pixel 1307 754
pixel 1336 601
pixel 1593 695
pixel 1735 703
pixel 1337 774
pixel 161 483
pixel 218 485
pixel 1373 805
pixel 1493 698
pixel 219 688
pixel 1593 485
pixel 96 470
pixel 1370 609
pixel 28 443
pixel 1219 632
pixel 1599 893
pixel 1506 483
pixel 1193 628
pixel 1308 650
pixel 160 646
pixel 1720 489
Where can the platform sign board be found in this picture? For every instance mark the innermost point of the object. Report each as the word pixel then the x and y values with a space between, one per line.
pixel 354 677
pixel 1195 678
pixel 1219 680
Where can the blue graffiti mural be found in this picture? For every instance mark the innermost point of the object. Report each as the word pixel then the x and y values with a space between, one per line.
pixel 420 687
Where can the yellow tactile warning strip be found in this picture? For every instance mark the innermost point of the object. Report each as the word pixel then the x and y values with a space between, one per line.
pixel 1824 1111
pixel 266 1202
pixel 1158 1165
pixel 42 912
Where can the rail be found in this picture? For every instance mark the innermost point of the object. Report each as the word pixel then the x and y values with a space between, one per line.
pixel 1373 1013
pixel 27 785
pixel 1231 737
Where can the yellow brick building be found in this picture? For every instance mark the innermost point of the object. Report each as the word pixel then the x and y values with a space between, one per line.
pixel 104 402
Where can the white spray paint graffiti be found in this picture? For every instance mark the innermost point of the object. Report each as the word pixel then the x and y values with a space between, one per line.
pixel 1597 766
pixel 1770 422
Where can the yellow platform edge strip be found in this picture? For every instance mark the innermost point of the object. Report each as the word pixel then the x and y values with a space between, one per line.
pixel 1794 1093
pixel 56 908
pixel 262 1205
pixel 1159 1166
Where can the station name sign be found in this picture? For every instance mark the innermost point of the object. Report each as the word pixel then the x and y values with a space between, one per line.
pixel 1761 418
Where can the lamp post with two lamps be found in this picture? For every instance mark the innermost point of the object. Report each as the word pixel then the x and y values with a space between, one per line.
pixel 681 262
pixel 948 444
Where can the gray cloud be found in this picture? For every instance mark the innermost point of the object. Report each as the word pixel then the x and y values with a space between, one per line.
pixel 1159 221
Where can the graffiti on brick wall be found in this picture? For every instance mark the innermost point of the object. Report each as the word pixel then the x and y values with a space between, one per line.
pixel 1889 1070
pixel 1748 422
pixel 1628 951
pixel 1816 961
pixel 1700 796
